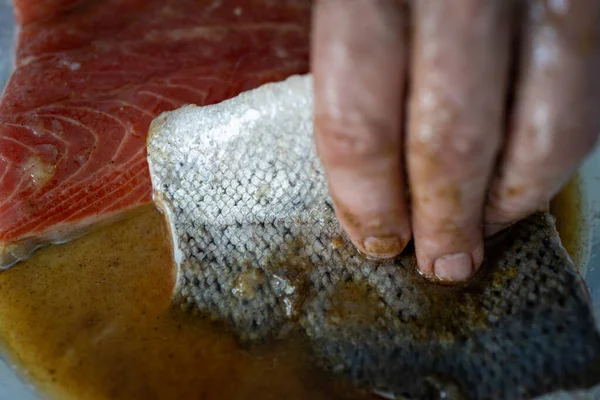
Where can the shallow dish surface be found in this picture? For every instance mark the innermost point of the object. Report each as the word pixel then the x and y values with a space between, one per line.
pixel 13 387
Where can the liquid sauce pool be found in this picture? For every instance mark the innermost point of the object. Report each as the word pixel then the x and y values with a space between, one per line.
pixel 91 319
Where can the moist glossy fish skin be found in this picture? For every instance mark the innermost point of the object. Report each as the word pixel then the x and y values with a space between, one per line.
pixel 257 245
pixel 90 77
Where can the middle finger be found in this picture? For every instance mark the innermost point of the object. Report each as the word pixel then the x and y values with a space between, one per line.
pixel 459 75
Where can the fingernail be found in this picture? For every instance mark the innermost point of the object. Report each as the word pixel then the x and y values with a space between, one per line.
pixel 454 267
pixel 383 246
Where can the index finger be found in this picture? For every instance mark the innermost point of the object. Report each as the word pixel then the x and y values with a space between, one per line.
pixel 359 61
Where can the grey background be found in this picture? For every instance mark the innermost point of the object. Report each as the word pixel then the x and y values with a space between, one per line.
pixel 7 41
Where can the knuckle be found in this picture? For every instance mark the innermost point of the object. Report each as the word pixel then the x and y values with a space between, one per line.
pixel 555 146
pixel 535 151
pixel 447 208
pixel 464 146
pixel 446 224
pixel 350 140
pixel 457 153
pixel 458 140
pixel 511 204
pixel 443 225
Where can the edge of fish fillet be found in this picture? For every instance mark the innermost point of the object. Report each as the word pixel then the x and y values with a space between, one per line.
pixel 154 131
pixel 159 132
pixel 13 252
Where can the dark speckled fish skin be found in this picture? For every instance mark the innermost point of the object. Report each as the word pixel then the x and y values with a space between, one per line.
pixel 258 247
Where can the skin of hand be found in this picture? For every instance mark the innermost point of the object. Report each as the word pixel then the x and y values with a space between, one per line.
pixel 482 108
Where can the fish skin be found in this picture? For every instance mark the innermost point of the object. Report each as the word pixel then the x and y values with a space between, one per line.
pixel 257 246
pixel 91 75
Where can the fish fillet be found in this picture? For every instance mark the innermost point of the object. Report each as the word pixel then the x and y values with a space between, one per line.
pixel 90 77
pixel 258 247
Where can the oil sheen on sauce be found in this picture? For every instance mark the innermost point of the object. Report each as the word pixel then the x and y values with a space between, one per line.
pixel 91 319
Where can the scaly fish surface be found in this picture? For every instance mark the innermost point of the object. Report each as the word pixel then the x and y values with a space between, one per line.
pixel 257 245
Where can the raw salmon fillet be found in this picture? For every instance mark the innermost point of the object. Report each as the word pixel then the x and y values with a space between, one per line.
pixel 90 77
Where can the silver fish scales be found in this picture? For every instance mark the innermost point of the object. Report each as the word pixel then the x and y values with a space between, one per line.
pixel 257 246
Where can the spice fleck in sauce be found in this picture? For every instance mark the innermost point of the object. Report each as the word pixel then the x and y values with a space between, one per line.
pixel 91 319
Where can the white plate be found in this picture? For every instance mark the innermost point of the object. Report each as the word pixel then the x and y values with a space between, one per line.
pixel 12 387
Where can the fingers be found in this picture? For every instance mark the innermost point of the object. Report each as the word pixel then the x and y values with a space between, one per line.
pixel 455 120
pixel 556 118
pixel 359 56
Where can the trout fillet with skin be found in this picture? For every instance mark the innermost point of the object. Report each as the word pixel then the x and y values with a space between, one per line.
pixel 258 247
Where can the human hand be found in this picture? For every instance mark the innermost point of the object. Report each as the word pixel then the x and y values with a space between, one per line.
pixel 502 104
